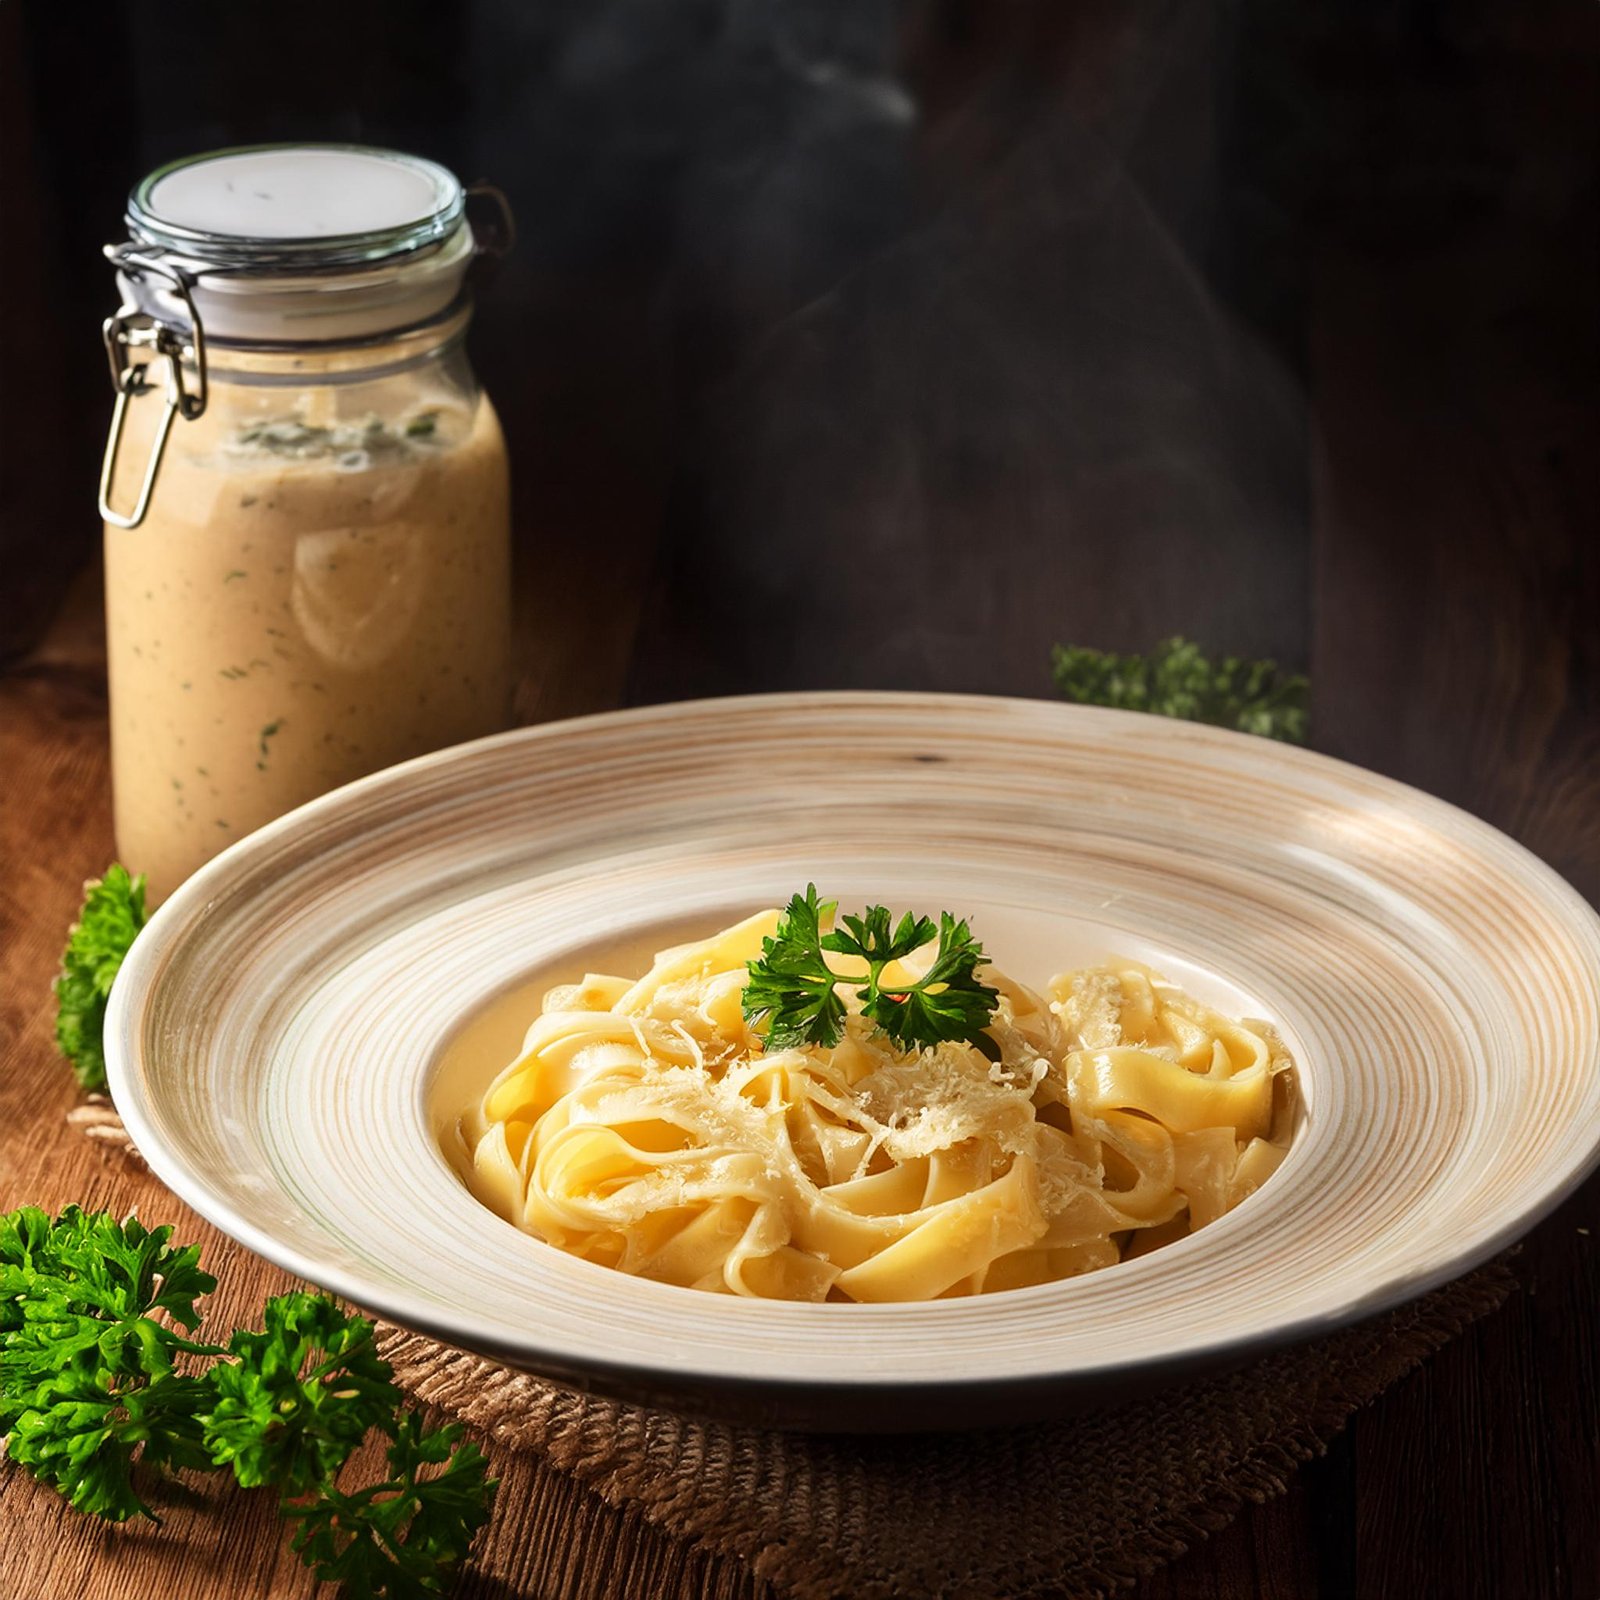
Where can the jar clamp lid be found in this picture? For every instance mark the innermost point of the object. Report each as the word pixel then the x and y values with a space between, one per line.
pixel 274 245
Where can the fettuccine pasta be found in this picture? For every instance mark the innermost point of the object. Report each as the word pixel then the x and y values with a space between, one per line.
pixel 645 1127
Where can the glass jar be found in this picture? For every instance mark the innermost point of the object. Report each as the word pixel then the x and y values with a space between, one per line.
pixel 306 496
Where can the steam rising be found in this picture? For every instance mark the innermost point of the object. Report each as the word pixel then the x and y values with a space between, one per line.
pixel 946 377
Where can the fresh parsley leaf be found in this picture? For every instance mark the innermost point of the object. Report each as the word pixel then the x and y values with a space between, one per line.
pixel 88 1353
pixel 299 1396
pixel 1177 680
pixel 795 992
pixel 869 936
pixel 98 1384
pixel 400 1538
pixel 947 1002
pixel 112 914
pixel 83 1427
pixel 792 988
pixel 87 1282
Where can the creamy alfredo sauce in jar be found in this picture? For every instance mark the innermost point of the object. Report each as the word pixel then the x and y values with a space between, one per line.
pixel 319 584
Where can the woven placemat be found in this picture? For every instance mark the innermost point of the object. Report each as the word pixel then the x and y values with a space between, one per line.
pixel 1069 1509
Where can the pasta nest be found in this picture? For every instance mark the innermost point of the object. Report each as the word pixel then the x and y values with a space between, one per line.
pixel 645 1127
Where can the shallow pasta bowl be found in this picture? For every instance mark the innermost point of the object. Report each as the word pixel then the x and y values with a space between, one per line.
pixel 293 1032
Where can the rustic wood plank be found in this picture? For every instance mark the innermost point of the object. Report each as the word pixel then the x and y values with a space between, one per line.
pixel 1264 1554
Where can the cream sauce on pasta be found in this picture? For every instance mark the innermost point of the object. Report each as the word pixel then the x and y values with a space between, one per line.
pixel 642 1126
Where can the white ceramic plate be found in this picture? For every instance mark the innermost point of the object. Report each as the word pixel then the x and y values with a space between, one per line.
pixel 300 1019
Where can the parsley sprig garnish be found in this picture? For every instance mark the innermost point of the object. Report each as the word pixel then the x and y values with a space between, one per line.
pixel 398 1537
pixel 299 1396
pixel 1177 680
pixel 113 912
pixel 99 1388
pixel 792 988
pixel 89 1356
pixel 795 993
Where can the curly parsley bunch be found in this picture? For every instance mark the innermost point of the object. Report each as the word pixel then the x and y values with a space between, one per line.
pixel 113 912
pixel 1177 680
pixel 101 1385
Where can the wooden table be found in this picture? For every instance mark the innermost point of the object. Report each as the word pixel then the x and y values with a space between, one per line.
pixel 1452 643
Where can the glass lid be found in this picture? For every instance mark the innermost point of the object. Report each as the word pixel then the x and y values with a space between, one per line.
pixel 295 207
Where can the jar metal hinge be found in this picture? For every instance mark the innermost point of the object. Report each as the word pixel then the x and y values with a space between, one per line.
pixel 130 332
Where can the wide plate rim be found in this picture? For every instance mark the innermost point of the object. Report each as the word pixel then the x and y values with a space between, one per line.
pixel 145 963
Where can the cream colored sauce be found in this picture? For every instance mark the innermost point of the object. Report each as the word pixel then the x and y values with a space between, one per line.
pixel 281 624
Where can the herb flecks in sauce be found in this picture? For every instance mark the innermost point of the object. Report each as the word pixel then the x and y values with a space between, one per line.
pixel 351 446
pixel 270 731
pixel 354 587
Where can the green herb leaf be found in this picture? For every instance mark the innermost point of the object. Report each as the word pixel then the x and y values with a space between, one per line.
pixel 299 1396
pixel 84 1425
pixel 113 912
pixel 792 988
pixel 947 1002
pixel 795 992
pixel 403 1537
pixel 1177 680
pixel 869 936
pixel 98 1385
pixel 88 1377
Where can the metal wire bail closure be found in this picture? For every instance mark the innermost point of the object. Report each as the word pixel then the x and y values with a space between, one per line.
pixel 495 230
pixel 132 329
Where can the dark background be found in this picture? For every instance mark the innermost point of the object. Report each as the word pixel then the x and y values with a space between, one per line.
pixel 859 343
pixel 908 337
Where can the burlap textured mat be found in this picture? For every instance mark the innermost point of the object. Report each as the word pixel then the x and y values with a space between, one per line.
pixel 1071 1509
